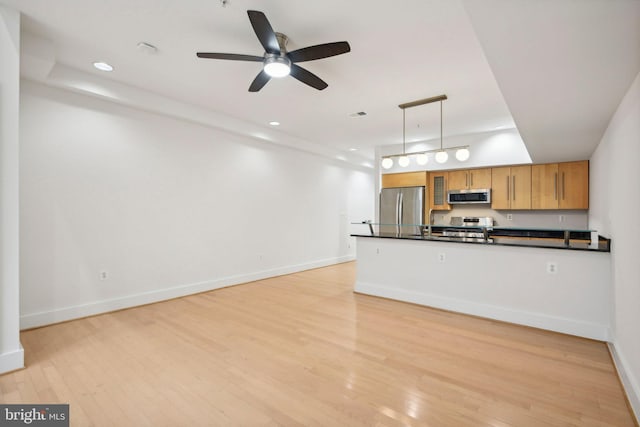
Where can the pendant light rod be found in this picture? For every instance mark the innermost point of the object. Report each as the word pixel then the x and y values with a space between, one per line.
pixel 441 125
pixel 404 130
pixel 423 101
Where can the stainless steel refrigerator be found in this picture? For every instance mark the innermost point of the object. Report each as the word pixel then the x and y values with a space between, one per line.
pixel 401 211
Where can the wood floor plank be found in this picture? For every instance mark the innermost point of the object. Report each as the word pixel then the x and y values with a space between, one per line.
pixel 304 350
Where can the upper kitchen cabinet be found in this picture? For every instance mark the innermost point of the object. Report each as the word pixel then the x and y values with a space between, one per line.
pixel 574 185
pixel 406 179
pixel 560 185
pixel 466 179
pixel 511 187
pixel 438 186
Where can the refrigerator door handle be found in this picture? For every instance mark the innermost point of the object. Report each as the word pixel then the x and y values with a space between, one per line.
pixel 397 221
pixel 400 211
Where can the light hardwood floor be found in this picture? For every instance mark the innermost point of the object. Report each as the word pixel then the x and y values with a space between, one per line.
pixel 303 349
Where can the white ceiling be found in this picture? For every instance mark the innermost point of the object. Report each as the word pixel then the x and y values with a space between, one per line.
pixel 555 68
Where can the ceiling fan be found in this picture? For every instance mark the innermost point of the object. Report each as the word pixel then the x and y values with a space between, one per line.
pixel 277 62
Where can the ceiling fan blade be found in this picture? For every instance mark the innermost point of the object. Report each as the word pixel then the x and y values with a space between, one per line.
pixel 307 77
pixel 319 51
pixel 263 30
pixel 258 83
pixel 231 56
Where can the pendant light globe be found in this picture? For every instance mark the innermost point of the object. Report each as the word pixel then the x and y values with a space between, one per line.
pixel 387 163
pixel 442 156
pixel 422 159
pixel 462 154
pixel 403 161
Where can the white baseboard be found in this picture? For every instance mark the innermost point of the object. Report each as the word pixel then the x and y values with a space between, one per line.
pixel 536 320
pixel 629 381
pixel 12 360
pixel 33 320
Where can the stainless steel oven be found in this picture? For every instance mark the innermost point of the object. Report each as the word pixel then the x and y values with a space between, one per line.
pixel 468 228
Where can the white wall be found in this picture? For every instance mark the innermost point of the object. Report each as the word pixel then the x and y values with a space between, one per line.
pixel 11 353
pixel 614 179
pixel 498 282
pixel 166 207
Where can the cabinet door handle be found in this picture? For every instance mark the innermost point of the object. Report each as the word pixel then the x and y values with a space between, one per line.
pixel 508 189
pixel 555 186
pixel 514 188
pixel 563 189
pixel 466 179
pixel 471 173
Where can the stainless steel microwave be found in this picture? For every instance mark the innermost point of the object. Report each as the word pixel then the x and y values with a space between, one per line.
pixel 480 195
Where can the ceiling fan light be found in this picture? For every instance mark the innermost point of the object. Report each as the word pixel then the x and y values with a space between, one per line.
pixel 403 161
pixel 422 159
pixel 277 66
pixel 387 163
pixel 442 156
pixel 462 154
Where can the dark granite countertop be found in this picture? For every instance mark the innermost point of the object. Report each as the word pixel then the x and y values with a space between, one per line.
pixel 521 237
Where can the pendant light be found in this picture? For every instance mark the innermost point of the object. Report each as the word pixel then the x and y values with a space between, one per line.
pixel 441 154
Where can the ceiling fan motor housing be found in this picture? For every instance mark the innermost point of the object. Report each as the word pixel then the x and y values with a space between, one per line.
pixel 282 41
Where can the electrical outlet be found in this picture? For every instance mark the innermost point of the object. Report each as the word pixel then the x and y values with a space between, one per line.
pixel 509 217
pixel 377 251
pixel 104 275
pixel 560 218
pixel 441 257
pixel 552 267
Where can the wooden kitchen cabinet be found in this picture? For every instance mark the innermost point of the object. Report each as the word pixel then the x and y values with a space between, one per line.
pixel 544 186
pixel 437 191
pixel 574 185
pixel 466 179
pixel 560 185
pixel 405 179
pixel 511 187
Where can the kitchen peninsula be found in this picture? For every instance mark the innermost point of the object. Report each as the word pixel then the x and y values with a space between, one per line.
pixel 531 281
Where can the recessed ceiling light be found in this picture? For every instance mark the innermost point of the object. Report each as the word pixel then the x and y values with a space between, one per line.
pixel 353 149
pixel 103 66
pixel 274 123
